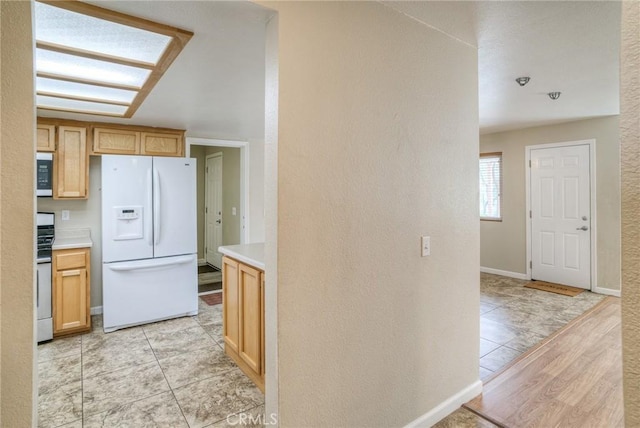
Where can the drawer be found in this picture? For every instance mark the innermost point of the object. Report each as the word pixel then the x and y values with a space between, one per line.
pixel 72 259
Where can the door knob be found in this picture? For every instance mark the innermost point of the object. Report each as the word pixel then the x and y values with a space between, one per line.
pixel 220 221
pixel 582 228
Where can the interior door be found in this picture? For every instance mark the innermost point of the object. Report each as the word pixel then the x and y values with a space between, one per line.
pixel 213 210
pixel 560 215
pixel 174 206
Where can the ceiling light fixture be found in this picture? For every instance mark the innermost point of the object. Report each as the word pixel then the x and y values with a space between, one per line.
pixel 554 95
pixel 523 80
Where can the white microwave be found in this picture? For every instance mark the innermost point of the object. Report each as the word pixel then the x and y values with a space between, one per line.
pixel 44 174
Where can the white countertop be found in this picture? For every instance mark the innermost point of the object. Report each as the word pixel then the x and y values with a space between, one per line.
pixel 72 238
pixel 251 254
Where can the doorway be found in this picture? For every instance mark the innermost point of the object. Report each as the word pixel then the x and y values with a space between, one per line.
pixel 234 194
pixel 561 213
pixel 213 210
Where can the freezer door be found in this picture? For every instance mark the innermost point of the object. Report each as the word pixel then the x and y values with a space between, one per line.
pixel 127 219
pixel 174 200
pixel 144 291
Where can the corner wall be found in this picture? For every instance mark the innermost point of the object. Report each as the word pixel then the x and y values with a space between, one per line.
pixel 377 144
pixel 503 244
pixel 18 376
pixel 630 160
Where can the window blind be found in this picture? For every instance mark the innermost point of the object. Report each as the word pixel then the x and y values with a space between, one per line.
pixel 490 186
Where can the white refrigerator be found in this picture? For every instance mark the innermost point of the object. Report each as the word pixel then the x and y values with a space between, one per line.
pixel 149 253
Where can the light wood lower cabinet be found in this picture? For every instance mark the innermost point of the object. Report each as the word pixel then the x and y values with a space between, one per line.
pixel 243 317
pixel 71 291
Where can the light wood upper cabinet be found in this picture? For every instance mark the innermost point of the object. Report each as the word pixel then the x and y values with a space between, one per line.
pixel 71 164
pixel 137 141
pixel 162 144
pixel 46 138
pixel 116 141
pixel 71 291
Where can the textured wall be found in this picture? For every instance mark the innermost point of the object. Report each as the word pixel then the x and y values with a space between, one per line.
pixel 630 159
pixel 503 244
pixel 17 248
pixel 377 144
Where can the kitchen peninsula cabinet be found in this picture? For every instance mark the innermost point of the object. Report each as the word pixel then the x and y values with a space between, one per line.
pixel 71 291
pixel 243 308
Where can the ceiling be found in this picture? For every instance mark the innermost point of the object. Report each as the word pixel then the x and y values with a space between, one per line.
pixel 215 88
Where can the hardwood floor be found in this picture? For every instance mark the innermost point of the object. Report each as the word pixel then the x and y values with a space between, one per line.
pixel 574 378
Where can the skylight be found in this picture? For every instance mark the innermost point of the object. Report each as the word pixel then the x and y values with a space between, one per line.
pixel 96 61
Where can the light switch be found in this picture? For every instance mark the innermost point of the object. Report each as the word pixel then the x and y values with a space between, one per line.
pixel 426 246
pixel 65 215
pixel 233 210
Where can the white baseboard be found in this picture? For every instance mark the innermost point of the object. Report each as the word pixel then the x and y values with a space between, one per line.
pixel 607 291
pixel 202 262
pixel 96 310
pixel 448 406
pixel 515 275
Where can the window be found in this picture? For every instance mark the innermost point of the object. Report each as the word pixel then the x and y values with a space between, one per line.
pixel 490 186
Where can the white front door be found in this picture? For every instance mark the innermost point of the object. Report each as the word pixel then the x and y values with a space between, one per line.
pixel 560 215
pixel 213 210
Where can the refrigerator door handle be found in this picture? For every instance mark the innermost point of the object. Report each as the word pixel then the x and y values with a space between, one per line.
pixel 149 224
pixel 152 264
pixel 156 206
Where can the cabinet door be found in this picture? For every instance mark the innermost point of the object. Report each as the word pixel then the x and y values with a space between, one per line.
pixel 160 144
pixel 263 343
pixel 250 349
pixel 46 137
pixel 116 141
pixel 71 164
pixel 231 302
pixel 71 285
pixel 71 311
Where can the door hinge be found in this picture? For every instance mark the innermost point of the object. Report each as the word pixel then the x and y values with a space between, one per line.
pixel 207 170
pixel 530 214
pixel 529 163
pixel 530 264
pixel 206 210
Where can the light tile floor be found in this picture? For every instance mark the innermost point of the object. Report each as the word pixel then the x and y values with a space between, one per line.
pixel 168 374
pixel 175 373
pixel 512 320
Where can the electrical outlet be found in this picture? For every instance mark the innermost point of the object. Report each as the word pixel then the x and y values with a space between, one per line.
pixel 65 215
pixel 426 246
